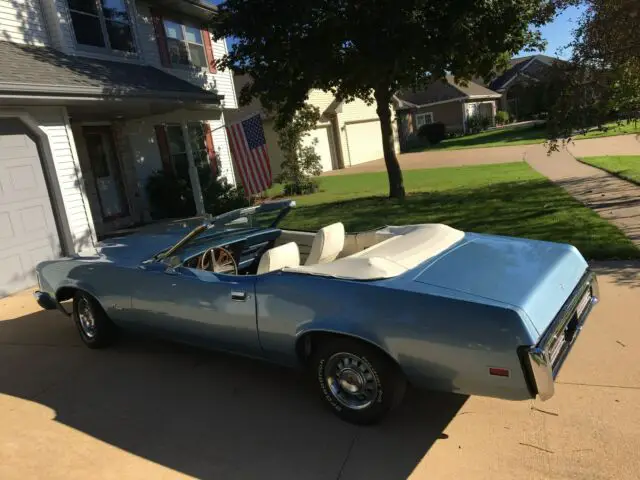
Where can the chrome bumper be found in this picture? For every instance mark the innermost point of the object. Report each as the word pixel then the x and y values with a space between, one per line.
pixel 546 358
pixel 47 302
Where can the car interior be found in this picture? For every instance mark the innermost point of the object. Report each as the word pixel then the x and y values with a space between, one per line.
pixel 274 249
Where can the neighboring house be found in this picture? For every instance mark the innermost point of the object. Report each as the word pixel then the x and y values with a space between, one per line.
pixel 347 134
pixel 442 101
pixel 512 83
pixel 96 96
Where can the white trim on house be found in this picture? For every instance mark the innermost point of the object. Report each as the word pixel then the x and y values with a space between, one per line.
pixel 529 62
pixel 450 100
pixel 78 175
pixel 424 115
pixel 479 97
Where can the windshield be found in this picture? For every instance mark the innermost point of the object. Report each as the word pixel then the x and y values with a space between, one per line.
pixel 250 218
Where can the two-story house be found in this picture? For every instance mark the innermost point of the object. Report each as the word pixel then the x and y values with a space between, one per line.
pixel 95 95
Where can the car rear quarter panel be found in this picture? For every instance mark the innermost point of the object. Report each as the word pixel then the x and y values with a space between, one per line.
pixel 440 342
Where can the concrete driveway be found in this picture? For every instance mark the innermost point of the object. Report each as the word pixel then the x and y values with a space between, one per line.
pixel 145 409
pixel 617 145
pixel 441 158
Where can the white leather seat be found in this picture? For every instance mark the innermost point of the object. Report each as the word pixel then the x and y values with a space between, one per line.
pixel 277 258
pixel 327 244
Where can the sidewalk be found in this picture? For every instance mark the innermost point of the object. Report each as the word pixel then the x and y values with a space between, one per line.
pixel 615 200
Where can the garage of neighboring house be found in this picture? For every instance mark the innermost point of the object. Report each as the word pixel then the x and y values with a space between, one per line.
pixel 28 228
pixel 322 141
pixel 364 141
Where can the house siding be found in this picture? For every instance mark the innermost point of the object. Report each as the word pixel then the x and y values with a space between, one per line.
pixel 22 21
pixel 320 99
pixel 448 113
pixel 219 82
pixel 54 123
pixel 221 146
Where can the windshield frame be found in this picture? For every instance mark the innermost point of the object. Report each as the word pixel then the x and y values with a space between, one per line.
pixel 220 221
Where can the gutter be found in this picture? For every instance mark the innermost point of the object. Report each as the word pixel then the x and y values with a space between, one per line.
pixel 55 91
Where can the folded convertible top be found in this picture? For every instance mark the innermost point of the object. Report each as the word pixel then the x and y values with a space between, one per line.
pixel 405 248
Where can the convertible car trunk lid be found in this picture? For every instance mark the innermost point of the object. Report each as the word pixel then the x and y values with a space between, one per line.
pixel 536 277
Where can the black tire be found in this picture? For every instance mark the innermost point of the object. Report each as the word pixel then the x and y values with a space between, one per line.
pixel 385 381
pixel 102 332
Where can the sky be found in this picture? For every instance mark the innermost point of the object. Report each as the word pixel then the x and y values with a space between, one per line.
pixel 559 33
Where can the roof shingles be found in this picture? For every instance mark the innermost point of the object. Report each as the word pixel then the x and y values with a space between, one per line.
pixel 26 68
pixel 445 90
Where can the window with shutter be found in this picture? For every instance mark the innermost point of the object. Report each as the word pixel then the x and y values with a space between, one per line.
pixel 175 148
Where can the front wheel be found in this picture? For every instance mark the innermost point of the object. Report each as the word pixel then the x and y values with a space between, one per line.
pixel 95 327
pixel 357 381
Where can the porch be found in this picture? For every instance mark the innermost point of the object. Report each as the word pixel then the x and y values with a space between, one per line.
pixel 117 156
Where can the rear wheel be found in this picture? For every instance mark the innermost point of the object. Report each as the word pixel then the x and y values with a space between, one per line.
pixel 357 381
pixel 95 327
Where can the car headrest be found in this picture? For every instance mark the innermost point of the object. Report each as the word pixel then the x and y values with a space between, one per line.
pixel 277 258
pixel 327 244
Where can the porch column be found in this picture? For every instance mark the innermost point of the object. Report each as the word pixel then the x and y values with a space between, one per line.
pixel 193 171
pixel 464 117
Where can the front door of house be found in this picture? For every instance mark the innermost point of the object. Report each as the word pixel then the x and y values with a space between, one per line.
pixel 106 172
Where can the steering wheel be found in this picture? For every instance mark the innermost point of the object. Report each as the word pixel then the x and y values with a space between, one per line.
pixel 218 260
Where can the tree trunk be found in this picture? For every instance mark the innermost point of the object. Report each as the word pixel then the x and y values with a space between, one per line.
pixel 396 184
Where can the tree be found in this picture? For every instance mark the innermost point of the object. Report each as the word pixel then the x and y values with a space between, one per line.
pixel 301 163
pixel 370 49
pixel 602 79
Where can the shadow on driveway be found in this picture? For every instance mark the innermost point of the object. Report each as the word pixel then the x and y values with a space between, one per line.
pixel 205 414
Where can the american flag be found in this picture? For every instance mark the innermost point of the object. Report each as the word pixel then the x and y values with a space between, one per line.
pixel 249 150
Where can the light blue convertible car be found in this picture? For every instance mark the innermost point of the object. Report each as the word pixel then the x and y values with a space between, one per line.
pixel 366 313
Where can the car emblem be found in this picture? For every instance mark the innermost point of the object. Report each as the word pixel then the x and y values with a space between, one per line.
pixel 561 286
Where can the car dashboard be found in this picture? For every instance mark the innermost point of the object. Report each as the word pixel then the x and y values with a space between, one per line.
pixel 246 249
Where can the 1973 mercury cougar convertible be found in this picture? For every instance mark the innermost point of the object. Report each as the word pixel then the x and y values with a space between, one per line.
pixel 366 313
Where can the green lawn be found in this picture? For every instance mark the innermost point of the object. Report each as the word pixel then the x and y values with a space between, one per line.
pixel 627 167
pixel 507 199
pixel 524 136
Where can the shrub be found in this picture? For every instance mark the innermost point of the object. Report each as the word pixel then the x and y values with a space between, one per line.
pixel 434 133
pixel 502 117
pixel 473 124
pixel 478 123
pixel 301 163
pixel 171 196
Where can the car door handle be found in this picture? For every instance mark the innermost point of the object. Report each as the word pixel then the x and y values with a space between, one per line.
pixel 238 296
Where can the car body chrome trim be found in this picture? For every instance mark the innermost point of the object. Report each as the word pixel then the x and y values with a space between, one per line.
pixel 48 302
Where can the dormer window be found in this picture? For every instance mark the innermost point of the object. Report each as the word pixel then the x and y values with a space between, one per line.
pixel 102 24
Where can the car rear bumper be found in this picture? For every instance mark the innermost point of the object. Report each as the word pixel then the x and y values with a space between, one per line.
pixel 546 357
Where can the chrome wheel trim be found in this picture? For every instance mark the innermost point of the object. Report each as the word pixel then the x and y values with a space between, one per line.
pixel 351 381
pixel 87 319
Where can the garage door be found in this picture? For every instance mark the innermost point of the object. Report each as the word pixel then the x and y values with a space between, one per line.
pixel 323 147
pixel 364 141
pixel 28 231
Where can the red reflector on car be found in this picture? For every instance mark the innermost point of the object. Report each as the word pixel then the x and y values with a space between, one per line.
pixel 499 372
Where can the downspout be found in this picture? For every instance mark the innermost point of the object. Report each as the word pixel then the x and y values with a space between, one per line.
pixel 335 127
